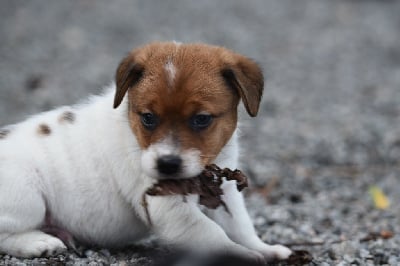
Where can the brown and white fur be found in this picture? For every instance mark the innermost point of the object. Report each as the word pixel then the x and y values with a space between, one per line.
pixel 83 169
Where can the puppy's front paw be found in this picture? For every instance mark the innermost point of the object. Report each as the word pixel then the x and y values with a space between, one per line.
pixel 275 252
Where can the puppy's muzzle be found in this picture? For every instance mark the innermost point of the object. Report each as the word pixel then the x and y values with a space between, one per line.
pixel 169 164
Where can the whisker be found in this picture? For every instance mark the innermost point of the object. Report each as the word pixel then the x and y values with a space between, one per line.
pixel 208 156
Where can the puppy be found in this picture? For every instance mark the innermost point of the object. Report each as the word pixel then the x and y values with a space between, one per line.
pixel 80 171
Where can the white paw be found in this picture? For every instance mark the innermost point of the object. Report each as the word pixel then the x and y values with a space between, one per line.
pixel 38 244
pixel 47 247
pixel 275 252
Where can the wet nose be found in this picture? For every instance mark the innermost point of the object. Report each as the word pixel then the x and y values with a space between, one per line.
pixel 169 164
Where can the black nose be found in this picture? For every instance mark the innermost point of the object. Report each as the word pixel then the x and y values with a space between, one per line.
pixel 169 164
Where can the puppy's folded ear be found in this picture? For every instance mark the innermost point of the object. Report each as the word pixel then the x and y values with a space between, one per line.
pixel 128 74
pixel 246 78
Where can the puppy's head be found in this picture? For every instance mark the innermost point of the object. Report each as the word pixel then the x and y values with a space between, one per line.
pixel 182 102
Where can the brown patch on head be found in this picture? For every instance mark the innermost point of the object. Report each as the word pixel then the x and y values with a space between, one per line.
pixel 67 117
pixel 4 133
pixel 175 83
pixel 44 130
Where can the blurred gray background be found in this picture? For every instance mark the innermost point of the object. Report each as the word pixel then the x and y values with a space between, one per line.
pixel 329 125
pixel 332 67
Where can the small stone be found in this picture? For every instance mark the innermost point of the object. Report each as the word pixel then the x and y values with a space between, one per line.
pixel 259 220
pixel 364 253
pixel 105 252
pixel 380 258
pixel 393 260
pixel 89 253
pixel 348 258
pixel 332 254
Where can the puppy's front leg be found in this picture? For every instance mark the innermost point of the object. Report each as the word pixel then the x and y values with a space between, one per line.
pixel 182 224
pixel 239 227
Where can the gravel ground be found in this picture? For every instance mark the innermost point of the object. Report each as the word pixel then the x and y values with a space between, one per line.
pixel 329 125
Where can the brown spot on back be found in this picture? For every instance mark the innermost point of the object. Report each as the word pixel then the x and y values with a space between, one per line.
pixel 4 133
pixel 67 117
pixel 44 130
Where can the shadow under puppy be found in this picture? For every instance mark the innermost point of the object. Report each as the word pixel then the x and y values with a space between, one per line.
pixel 81 170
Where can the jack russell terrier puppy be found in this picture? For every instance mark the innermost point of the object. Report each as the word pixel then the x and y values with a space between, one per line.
pixel 80 171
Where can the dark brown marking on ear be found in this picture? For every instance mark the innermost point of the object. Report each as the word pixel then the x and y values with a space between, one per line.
pixel 4 133
pixel 128 74
pixel 230 80
pixel 67 117
pixel 44 130
pixel 246 78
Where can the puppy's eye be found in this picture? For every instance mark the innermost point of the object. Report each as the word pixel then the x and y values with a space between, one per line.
pixel 200 121
pixel 149 120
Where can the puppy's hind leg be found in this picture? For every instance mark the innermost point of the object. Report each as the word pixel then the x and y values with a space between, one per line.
pixel 22 211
